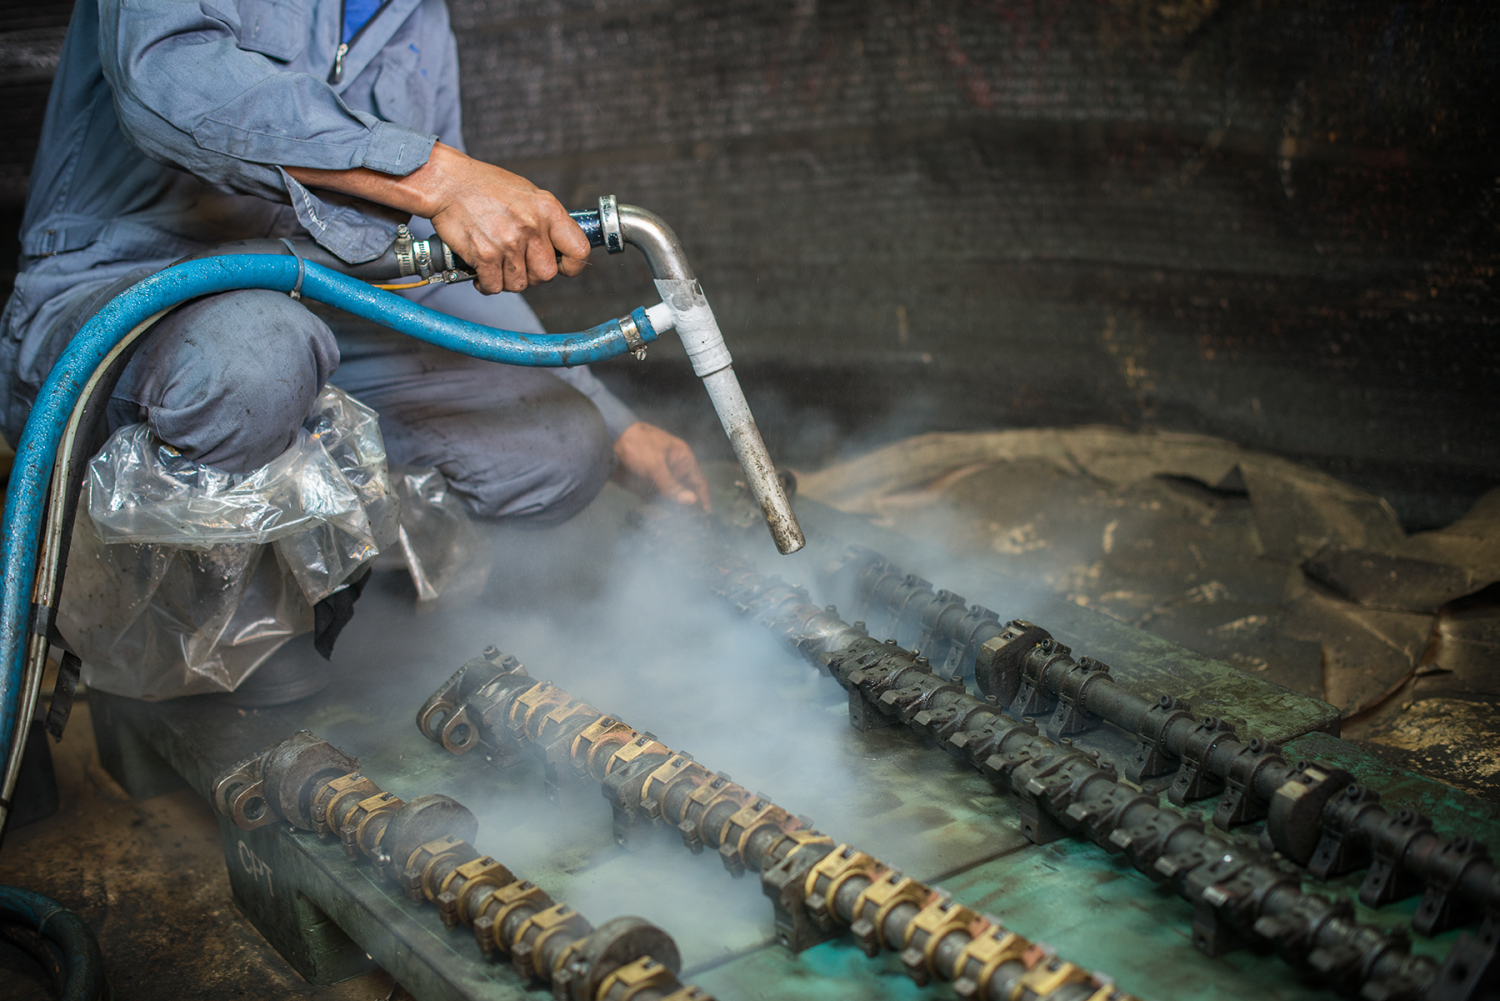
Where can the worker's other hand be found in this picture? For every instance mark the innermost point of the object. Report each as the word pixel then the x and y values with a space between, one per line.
pixel 653 461
pixel 511 232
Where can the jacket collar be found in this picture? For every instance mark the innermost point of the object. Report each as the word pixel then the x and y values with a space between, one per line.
pixel 376 34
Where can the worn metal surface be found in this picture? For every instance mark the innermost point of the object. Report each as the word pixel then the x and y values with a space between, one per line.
pixel 915 808
pixel 302 889
pixel 1080 901
pixel 1138 659
pixel 148 876
pixel 320 911
pixel 1449 811
pixel 912 805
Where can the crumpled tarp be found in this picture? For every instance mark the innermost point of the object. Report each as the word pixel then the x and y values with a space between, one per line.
pixel 1280 569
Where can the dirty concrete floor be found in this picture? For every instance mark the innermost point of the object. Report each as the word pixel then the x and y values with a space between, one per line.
pixel 148 876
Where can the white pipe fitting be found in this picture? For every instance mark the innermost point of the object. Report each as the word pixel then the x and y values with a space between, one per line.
pixel 684 303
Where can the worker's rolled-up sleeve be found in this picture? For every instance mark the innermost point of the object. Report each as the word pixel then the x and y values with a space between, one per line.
pixel 198 88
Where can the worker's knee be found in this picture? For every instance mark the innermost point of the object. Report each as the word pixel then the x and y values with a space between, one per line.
pixel 229 379
pixel 548 472
pixel 526 449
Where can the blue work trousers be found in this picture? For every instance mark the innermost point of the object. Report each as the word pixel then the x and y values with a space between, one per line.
pixel 228 379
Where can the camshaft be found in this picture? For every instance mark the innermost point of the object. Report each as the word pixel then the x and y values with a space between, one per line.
pixel 1238 893
pixel 423 847
pixel 1320 819
pixel 817 887
pixel 1029 673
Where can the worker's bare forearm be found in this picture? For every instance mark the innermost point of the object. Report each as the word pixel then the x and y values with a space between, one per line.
pixel 512 232
pixel 419 192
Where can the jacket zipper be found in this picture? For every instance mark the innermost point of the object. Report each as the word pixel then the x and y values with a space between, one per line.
pixel 336 75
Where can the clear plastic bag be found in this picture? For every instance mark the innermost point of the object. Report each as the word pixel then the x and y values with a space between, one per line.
pixel 438 544
pixel 183 579
pixel 326 501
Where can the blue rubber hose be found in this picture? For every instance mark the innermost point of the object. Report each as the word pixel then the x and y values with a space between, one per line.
pixel 82 964
pixel 25 499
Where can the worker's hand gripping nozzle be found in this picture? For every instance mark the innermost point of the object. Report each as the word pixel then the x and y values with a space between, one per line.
pixel 683 307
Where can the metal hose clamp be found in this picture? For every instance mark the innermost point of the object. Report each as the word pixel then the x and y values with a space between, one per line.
pixel 609 224
pixel 633 339
pixel 296 292
pixel 407 265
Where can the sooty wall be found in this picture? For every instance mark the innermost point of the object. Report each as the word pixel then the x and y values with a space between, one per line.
pixel 1270 220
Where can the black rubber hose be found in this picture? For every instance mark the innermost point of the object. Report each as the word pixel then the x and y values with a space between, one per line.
pixel 53 924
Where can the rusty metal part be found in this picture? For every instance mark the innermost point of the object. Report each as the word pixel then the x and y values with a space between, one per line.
pixel 336 800
pixel 362 832
pixel 423 846
pixel 595 745
pixel 1239 892
pixel 817 888
pixel 240 795
pixel 299 764
pixel 445 716
pixel 1315 815
pixel 417 877
pixel 1029 673
pixel 463 890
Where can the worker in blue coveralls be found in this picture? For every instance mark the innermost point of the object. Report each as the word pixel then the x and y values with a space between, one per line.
pixel 175 125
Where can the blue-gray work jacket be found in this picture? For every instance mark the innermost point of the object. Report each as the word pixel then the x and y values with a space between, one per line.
pixel 166 130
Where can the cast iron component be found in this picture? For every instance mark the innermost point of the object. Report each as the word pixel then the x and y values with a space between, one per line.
pixel 1238 892
pixel 1314 814
pixel 1458 880
pixel 1032 674
pixel 817 888
pixel 423 846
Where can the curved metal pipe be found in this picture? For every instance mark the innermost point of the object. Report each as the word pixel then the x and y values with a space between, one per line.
pixel 611 226
pixel 648 233
pixel 700 335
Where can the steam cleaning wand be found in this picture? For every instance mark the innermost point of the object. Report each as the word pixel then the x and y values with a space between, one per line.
pixel 685 308
pixel 42 494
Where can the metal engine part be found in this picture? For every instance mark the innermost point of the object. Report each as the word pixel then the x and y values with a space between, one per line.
pixel 1240 894
pixel 1317 816
pixel 817 888
pixel 423 846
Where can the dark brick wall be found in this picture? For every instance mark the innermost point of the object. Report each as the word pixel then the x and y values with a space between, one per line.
pixel 1271 221
pixel 31 37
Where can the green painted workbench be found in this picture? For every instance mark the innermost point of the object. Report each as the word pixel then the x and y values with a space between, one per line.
pixel 642 644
